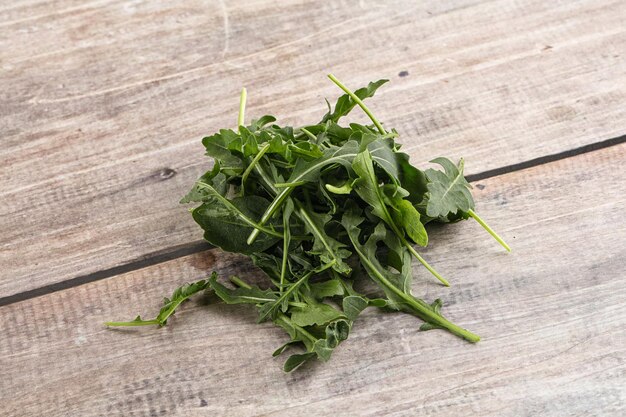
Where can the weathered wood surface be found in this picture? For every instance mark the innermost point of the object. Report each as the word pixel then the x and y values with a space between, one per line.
pixel 551 314
pixel 103 103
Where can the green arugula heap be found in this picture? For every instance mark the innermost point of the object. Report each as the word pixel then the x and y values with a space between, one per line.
pixel 314 205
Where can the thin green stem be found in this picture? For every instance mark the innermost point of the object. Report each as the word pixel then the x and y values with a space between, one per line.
pixel 289 184
pixel 268 213
pixel 286 242
pixel 300 329
pixel 358 101
pixel 253 163
pixel 239 282
pixel 309 134
pixel 242 107
pixel 258 228
pixel 423 262
pixel 292 288
pixel 421 309
pixel 400 234
pixel 132 323
pixel 480 221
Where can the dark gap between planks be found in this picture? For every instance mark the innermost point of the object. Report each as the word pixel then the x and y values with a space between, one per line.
pixel 200 246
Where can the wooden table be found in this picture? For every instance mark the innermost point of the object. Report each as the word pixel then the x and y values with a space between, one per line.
pixel 102 107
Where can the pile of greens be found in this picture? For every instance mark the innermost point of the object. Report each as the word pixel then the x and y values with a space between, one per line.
pixel 316 207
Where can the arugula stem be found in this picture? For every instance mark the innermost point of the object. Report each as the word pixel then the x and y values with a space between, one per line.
pixel 250 167
pixel 289 184
pixel 238 282
pixel 242 107
pixel 480 221
pixel 132 323
pixel 308 335
pixel 421 309
pixel 309 134
pixel 283 265
pixel 271 188
pixel 423 262
pixel 307 219
pixel 269 213
pixel 257 227
pixel 406 243
pixel 358 101
pixel 293 287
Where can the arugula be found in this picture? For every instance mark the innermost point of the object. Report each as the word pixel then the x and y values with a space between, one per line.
pixel 170 305
pixel 316 208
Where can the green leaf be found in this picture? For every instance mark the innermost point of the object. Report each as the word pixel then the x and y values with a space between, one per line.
pixel 395 285
pixel 368 188
pixel 271 309
pixel 245 144
pixel 324 289
pixel 390 282
pixel 336 332
pixel 295 332
pixel 252 295
pixel 407 216
pixel 261 122
pixel 448 192
pixel 315 314
pixel 306 150
pixel 227 223
pixel 287 211
pixel 169 305
pixel 328 249
pixel 345 103
pixel 412 179
pixel 283 348
pixel 295 361
pixel 381 152
pixel 308 171
pixel 217 146
pixel 353 305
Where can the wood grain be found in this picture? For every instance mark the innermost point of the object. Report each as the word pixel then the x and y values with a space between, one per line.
pixel 551 314
pixel 103 103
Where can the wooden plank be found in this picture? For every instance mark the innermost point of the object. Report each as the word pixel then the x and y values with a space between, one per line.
pixel 103 103
pixel 551 315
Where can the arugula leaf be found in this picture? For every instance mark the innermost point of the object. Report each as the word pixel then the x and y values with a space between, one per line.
pixel 170 305
pixel 448 191
pixel 295 361
pixel 315 313
pixel 345 103
pixel 226 223
pixel 324 289
pixel 381 151
pixel 218 147
pixel 270 309
pixel 241 295
pixel 412 179
pixel 261 122
pixel 321 346
pixel 328 249
pixel 395 286
pixel 407 216
pixel 353 305
pixel 366 186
